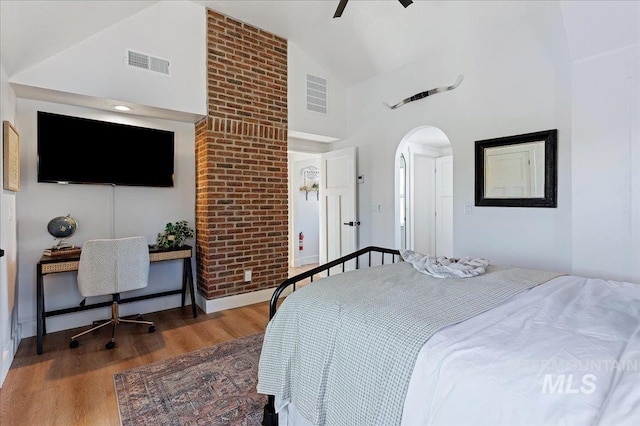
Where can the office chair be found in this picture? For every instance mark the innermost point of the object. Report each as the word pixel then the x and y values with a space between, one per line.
pixel 111 266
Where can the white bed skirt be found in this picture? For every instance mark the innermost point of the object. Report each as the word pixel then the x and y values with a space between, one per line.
pixel 566 352
pixel 288 414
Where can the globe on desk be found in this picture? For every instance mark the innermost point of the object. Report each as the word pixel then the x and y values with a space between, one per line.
pixel 61 228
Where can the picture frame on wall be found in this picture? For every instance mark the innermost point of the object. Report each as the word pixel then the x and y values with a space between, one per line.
pixel 11 158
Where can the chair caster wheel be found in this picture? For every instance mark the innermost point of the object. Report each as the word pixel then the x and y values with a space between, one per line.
pixel 110 345
pixel 152 328
pixel 74 344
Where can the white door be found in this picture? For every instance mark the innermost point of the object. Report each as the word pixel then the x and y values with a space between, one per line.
pixel 338 218
pixel 423 203
pixel 515 171
pixel 444 206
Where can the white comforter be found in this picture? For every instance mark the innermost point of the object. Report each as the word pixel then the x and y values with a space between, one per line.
pixel 563 353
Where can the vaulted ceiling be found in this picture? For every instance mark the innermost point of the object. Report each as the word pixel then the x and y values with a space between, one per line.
pixel 370 38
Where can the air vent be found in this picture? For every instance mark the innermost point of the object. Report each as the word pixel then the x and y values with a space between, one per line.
pixel 147 62
pixel 316 94
pixel 159 65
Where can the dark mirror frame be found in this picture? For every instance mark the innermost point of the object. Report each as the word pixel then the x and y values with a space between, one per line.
pixel 550 138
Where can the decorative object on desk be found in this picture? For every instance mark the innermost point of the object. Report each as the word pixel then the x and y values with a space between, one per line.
pixel 11 161
pixel 66 251
pixel 61 228
pixel 174 235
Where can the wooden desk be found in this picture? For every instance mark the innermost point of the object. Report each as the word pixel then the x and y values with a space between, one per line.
pixel 53 265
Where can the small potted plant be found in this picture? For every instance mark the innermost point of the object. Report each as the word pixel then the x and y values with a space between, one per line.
pixel 174 235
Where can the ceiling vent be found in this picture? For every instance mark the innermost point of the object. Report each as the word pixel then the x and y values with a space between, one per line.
pixel 316 94
pixel 147 62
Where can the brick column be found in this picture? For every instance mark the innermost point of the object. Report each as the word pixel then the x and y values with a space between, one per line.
pixel 241 161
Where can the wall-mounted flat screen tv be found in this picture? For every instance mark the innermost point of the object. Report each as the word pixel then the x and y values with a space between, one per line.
pixel 79 150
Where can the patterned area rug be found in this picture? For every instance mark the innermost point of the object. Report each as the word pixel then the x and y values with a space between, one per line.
pixel 213 386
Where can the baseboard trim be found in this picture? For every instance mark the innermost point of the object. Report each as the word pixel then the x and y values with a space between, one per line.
pixel 56 323
pixel 309 259
pixel 80 319
pixel 306 260
pixel 236 301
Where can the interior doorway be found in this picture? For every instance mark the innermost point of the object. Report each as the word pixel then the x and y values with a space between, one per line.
pixel 304 209
pixel 424 192
pixel 323 223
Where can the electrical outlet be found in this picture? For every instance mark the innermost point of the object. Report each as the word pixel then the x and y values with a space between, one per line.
pixel 361 179
pixel 247 275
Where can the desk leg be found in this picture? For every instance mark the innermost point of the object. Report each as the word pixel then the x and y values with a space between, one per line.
pixel 185 265
pixel 40 307
pixel 187 281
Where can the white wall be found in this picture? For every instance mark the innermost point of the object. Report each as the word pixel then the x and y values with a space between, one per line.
pixel 332 124
pixel 133 210
pixel 606 165
pixel 9 337
pixel 604 37
pixel 96 67
pixel 517 80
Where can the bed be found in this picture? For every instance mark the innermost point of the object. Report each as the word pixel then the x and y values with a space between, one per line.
pixel 387 345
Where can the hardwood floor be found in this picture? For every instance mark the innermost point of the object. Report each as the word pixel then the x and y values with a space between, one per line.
pixel 300 269
pixel 66 386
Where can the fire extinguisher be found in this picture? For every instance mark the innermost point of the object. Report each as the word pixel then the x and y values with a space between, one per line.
pixel 301 241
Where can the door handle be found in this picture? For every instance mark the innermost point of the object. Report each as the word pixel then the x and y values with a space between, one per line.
pixel 357 223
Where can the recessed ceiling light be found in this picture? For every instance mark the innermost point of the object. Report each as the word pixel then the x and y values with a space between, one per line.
pixel 122 108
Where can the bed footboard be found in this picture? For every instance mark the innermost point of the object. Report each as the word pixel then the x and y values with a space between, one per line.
pixel 367 251
pixel 270 417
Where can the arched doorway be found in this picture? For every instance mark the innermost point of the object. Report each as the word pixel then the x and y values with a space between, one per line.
pixel 424 192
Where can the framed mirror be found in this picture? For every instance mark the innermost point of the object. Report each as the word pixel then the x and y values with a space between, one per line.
pixel 517 171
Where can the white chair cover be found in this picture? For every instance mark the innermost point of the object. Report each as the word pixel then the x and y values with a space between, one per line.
pixel 109 266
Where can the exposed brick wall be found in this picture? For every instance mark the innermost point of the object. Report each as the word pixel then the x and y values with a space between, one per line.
pixel 241 161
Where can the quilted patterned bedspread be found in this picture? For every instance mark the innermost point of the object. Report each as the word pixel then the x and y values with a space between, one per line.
pixel 343 348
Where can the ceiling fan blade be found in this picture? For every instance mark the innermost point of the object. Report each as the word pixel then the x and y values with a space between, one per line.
pixel 343 4
pixel 340 9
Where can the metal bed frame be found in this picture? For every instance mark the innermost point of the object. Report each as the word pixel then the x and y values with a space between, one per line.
pixel 270 417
